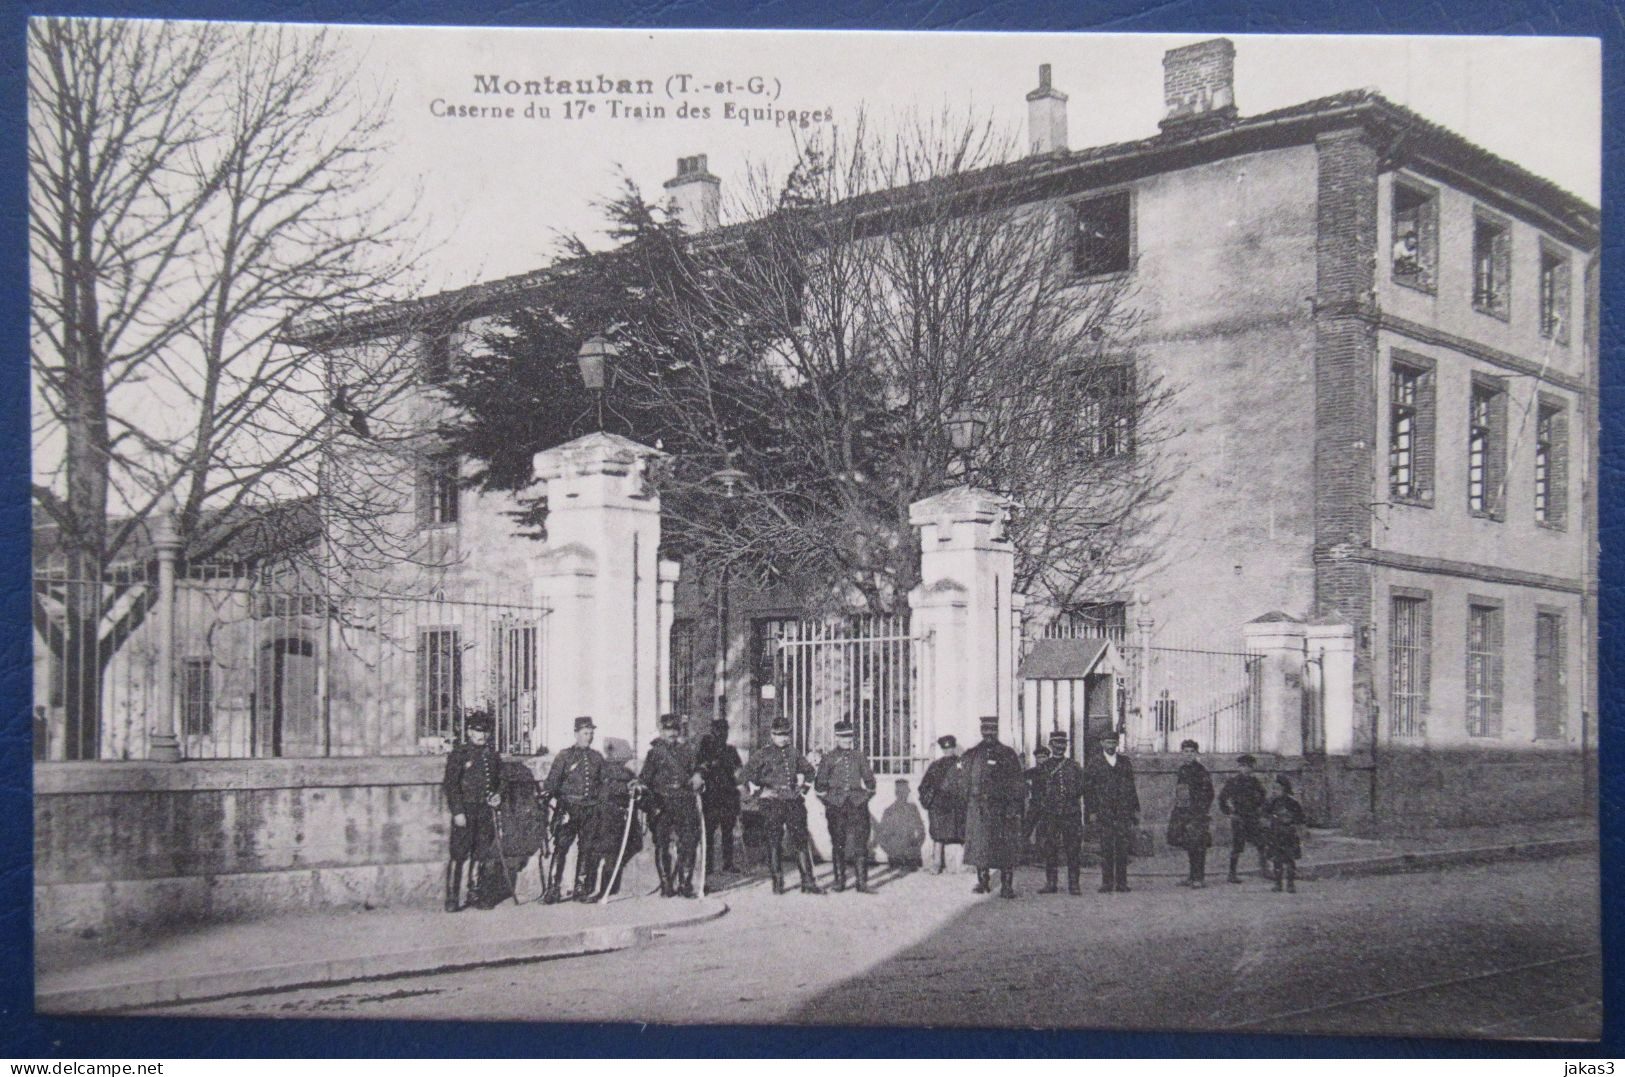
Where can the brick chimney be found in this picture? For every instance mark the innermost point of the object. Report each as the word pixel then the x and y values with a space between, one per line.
pixel 696 194
pixel 1046 116
pixel 1199 84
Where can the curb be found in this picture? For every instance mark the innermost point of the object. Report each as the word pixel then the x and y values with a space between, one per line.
pixel 1448 858
pixel 211 985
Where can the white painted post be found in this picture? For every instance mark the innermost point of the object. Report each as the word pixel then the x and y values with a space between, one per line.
pixel 1279 641
pixel 163 745
pixel 1145 735
pixel 1019 713
pixel 1333 646
pixel 599 577
pixel 669 572
pixel 963 602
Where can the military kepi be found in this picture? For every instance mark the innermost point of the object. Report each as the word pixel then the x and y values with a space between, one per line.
pixel 478 722
pixel 1058 738
pixel 843 728
pixel 781 724
pixel 670 721
pixel 990 724
pixel 947 740
pixel 585 722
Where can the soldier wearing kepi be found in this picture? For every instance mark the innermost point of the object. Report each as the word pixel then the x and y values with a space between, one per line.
pixel 1059 813
pixel 942 794
pixel 471 786
pixel 782 775
pixel 995 789
pixel 671 773
pixel 574 785
pixel 845 783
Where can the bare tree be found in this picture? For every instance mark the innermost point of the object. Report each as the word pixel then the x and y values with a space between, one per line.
pixel 194 191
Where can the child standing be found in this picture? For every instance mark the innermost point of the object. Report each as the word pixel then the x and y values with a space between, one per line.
pixel 1283 815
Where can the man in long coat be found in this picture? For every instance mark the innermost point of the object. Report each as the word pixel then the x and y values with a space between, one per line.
pixel 1114 803
pixel 995 790
pixel 942 794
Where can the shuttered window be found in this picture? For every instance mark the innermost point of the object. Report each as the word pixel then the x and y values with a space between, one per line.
pixel 1492 267
pixel 1410 432
pixel 1551 464
pixel 1484 664
pixel 1555 289
pixel 1409 655
pixel 1549 675
pixel 1415 235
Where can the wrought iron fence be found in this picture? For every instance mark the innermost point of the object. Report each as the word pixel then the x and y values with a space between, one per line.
pixel 1192 693
pixel 264 669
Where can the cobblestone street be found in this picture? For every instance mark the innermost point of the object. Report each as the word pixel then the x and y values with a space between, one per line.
pixel 1505 950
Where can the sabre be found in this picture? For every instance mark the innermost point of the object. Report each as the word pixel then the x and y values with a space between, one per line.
pixel 554 824
pixel 620 857
pixel 502 855
pixel 699 802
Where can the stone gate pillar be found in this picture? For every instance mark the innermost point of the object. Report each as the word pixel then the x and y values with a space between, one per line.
pixel 598 575
pixel 1278 639
pixel 963 602
pixel 1333 647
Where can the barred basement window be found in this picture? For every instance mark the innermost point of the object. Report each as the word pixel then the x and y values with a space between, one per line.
pixel 197 697
pixel 1492 267
pixel 1548 675
pixel 439 681
pixel 1554 295
pixel 1410 433
pixel 1102 238
pixel 1409 655
pixel 1416 235
pixel 1483 671
pixel 1486 449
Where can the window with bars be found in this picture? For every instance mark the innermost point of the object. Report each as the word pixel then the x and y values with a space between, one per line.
pixel 682 665
pixel 197 697
pixel 1492 267
pixel 1108 413
pixel 1409 656
pixel 1415 235
pixel 1102 237
pixel 1551 464
pixel 1410 432
pixel 437 489
pixel 1549 716
pixel 1486 449
pixel 1483 670
pixel 1090 620
pixel 439 681
pixel 1554 295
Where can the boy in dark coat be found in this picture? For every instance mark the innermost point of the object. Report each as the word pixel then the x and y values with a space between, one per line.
pixel 1188 825
pixel 1114 804
pixel 1283 815
pixel 942 794
pixel 1242 799
pixel 994 789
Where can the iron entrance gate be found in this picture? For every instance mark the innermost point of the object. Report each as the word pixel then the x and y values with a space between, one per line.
pixel 867 669
pixel 1207 696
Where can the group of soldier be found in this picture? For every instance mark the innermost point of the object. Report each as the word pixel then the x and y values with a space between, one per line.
pixel 982 798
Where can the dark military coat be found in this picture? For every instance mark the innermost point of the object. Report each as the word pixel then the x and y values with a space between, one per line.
pixel 994 791
pixel 1109 792
pixel 472 774
pixel 1057 790
pixel 845 779
pixel 668 768
pixel 779 771
pixel 603 835
pixel 1193 799
pixel 576 776
pixel 720 764
pixel 942 793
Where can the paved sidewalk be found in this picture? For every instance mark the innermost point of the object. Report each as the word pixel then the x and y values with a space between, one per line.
pixel 214 960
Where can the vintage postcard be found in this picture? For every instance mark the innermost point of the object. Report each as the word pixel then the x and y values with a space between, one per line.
pixel 1013 530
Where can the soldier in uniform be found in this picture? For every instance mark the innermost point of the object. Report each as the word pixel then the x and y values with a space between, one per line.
pixel 1029 816
pixel 617 797
pixel 995 789
pixel 1059 813
pixel 1114 803
pixel 1188 823
pixel 573 784
pixel 719 767
pixel 472 789
pixel 671 774
pixel 942 794
pixel 782 774
pixel 1242 799
pixel 845 783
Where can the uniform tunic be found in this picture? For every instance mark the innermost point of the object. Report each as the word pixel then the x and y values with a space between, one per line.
pixel 1058 811
pixel 472 774
pixel 942 793
pixel 668 771
pixel 781 772
pixel 602 841
pixel 719 765
pixel 845 782
pixel 575 780
pixel 994 791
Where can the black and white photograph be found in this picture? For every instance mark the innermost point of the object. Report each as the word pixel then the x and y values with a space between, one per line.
pixel 811 528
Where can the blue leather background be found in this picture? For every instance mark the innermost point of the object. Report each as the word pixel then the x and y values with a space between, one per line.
pixel 23 1036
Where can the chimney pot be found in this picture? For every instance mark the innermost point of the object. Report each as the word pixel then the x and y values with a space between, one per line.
pixel 1046 116
pixel 1199 83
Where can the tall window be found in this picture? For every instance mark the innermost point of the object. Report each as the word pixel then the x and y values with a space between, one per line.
pixel 1551 465
pixel 439 681
pixel 1410 433
pixel 197 697
pixel 435 366
pixel 1483 670
pixel 1108 413
pixel 437 489
pixel 1548 675
pixel 1486 449
pixel 1409 654
pixel 1416 235
pixel 682 665
pixel 1554 295
pixel 1492 267
pixel 1102 239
